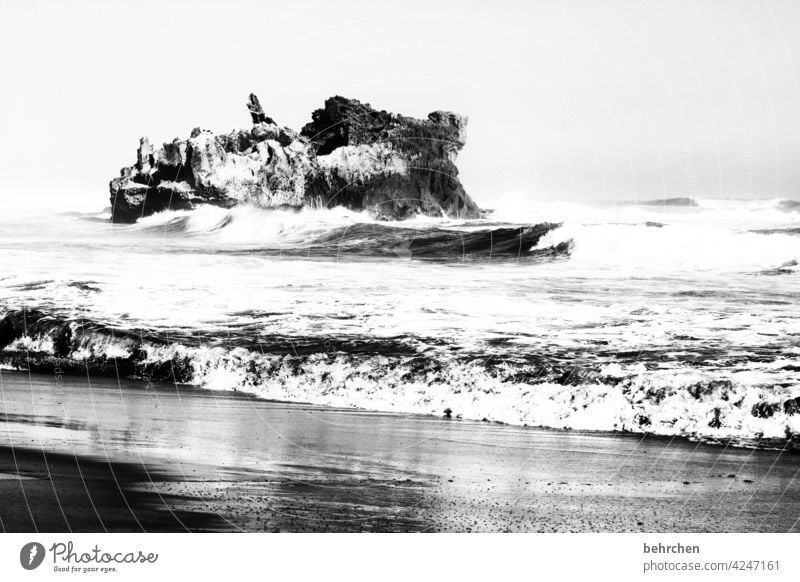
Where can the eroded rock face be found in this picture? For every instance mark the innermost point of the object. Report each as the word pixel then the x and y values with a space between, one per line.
pixel 349 155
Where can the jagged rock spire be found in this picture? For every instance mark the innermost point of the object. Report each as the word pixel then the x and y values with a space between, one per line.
pixel 256 112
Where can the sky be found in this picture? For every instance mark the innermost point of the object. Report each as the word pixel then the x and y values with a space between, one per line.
pixel 567 100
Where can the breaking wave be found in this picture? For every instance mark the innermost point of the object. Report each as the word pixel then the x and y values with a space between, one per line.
pixel 734 403
pixel 675 248
pixel 339 232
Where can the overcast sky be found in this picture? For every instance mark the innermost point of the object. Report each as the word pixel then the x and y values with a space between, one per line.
pixel 586 99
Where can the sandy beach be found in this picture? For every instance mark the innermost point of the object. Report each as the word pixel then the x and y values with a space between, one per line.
pixel 96 455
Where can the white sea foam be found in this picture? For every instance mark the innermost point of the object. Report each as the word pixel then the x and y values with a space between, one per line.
pixel 694 285
pixel 674 248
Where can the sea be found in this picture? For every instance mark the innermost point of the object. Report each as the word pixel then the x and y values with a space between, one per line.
pixel 676 317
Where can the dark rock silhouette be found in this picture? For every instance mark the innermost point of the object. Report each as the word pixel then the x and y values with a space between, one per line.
pixel 349 155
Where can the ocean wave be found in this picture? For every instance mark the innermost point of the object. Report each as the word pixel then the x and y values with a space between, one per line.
pixel 644 237
pixel 342 233
pixel 795 231
pixel 740 404
pixel 671 248
pixel 682 201
pixel 731 214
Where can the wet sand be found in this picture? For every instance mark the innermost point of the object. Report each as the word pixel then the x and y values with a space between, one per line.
pixel 94 455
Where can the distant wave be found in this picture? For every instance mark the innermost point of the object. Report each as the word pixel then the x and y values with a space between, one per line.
pixel 683 201
pixel 795 231
pixel 726 203
pixel 410 375
pixel 790 205
pixel 732 213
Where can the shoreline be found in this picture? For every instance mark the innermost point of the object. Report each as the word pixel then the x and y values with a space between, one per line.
pixel 48 366
pixel 224 461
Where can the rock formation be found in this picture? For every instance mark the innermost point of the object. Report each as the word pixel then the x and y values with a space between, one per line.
pixel 349 155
